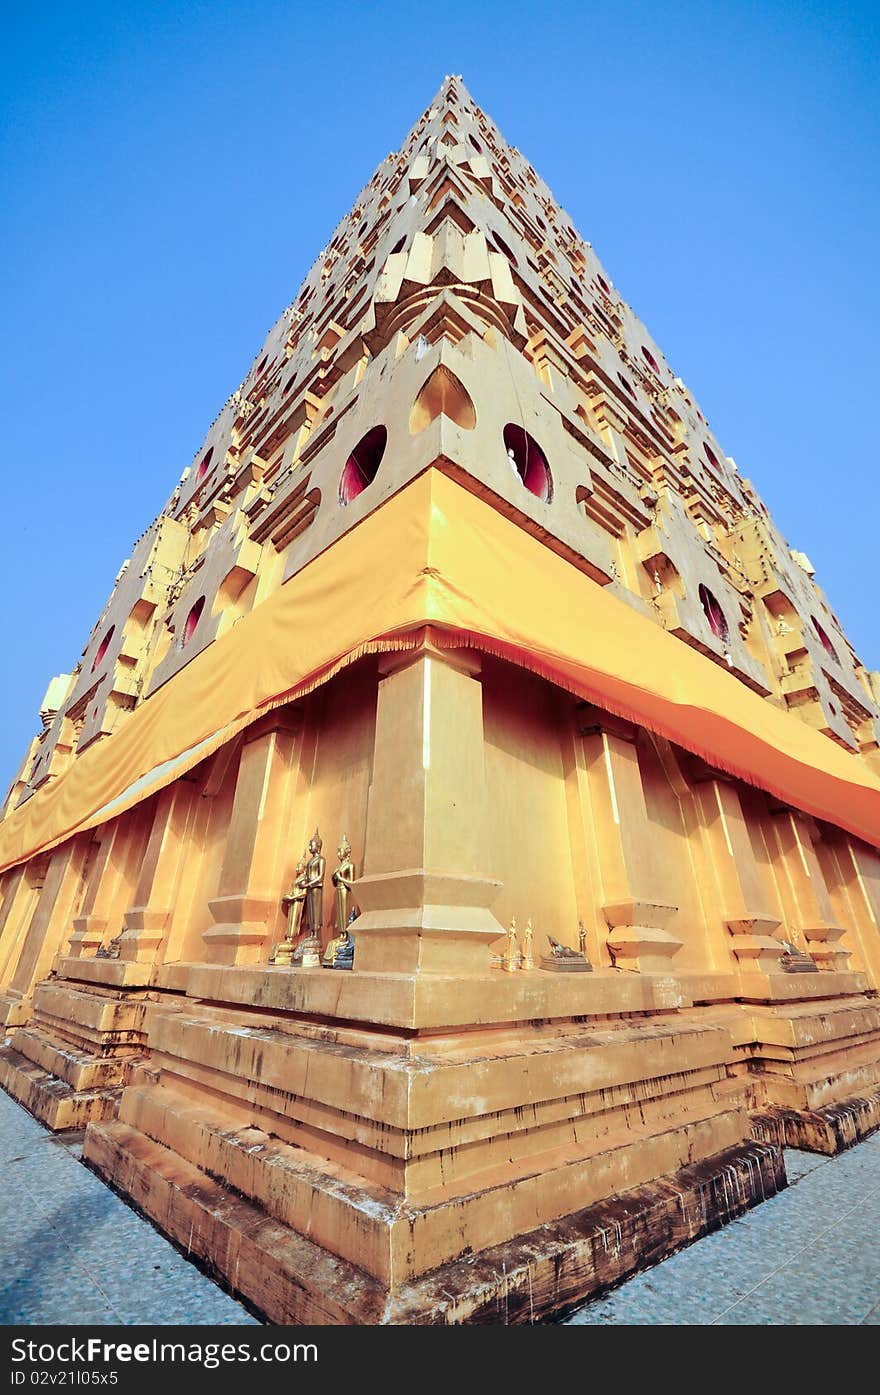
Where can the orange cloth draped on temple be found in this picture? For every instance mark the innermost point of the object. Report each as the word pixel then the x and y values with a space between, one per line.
pixel 437 555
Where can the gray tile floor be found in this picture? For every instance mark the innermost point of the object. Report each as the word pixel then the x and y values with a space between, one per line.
pixel 810 1255
pixel 71 1251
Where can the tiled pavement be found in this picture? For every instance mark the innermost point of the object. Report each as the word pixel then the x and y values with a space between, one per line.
pixel 809 1255
pixel 71 1251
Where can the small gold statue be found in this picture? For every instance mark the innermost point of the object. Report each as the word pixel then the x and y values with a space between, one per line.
pixel 582 938
pixel 561 959
pixel 795 960
pixel 528 961
pixel 293 901
pixel 511 961
pixel 339 953
pixel 340 950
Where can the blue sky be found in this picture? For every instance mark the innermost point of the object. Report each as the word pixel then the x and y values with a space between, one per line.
pixel 169 172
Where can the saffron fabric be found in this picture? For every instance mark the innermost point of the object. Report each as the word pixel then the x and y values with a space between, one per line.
pixel 435 554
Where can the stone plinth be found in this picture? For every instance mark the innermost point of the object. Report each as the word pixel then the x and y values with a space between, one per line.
pixel 69 1064
pixel 427 1118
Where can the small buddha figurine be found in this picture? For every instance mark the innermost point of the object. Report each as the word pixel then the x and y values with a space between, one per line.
pixel 313 885
pixel 343 877
pixel 561 951
pixel 339 953
pixel 528 961
pixel 510 962
pixel 561 959
pixel 294 902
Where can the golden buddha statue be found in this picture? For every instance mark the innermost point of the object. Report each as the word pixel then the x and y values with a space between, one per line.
pixel 343 877
pixel 314 885
pixel 311 883
pixel 293 902
pixel 339 953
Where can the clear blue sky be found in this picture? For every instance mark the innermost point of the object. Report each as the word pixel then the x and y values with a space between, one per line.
pixel 169 171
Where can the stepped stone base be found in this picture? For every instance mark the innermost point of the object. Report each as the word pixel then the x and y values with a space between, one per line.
pixel 15 1011
pixel 51 1100
pixel 290 1279
pixel 416 1169
pixel 69 1064
pixel 808 1056
pixel 830 1130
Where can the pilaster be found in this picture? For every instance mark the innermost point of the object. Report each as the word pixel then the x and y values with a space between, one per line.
pixel 632 902
pixel 146 920
pixel 46 929
pixel 739 897
pixel 811 913
pixel 248 892
pixel 102 889
pixel 427 885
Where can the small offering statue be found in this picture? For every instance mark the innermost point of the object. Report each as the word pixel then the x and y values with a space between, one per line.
pixel 582 938
pixel 794 960
pixel 286 951
pixel 511 961
pixel 339 953
pixel 528 961
pixel 561 959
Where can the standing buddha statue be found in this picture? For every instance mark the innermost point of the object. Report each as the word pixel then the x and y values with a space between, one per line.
pixel 342 946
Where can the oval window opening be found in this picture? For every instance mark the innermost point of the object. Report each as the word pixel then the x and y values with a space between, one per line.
pixel 500 245
pixel 102 648
pixel 714 614
pixel 711 456
pixel 204 463
pixel 529 461
pixel 362 464
pixel 650 359
pixel 823 638
pixel 398 246
pixel 192 621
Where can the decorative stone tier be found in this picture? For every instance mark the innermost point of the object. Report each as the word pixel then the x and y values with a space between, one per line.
pixel 68 1066
pixel 543 1273
pixel 812 1045
pixel 426 1120
pixel 15 1010
pixel 829 1130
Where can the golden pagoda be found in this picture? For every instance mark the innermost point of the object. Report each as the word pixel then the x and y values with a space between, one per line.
pixel 461 620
